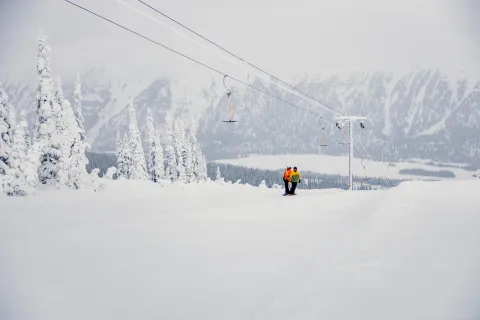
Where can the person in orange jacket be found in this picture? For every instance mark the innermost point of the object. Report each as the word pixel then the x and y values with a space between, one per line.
pixel 287 179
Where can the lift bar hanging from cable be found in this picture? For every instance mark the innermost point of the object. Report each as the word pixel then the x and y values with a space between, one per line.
pixel 228 97
pixel 322 144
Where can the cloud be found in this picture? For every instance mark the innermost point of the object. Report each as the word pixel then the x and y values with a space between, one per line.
pixel 287 38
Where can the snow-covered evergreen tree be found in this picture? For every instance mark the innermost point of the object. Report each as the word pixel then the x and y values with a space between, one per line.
pixel 95 181
pixel 77 108
pixel 78 157
pixel 31 158
pixel 171 170
pixel 160 165
pixel 139 167
pixel 78 163
pixel 199 163
pixel 151 136
pixel 7 125
pixel 127 157
pixel 156 169
pixel 192 144
pixel 47 144
pixel 218 175
pixel 18 179
pixel 23 125
pixel 187 156
pixel 199 169
pixel 122 166
pixel 65 136
pixel 179 145
pixel 202 165
pixel 20 142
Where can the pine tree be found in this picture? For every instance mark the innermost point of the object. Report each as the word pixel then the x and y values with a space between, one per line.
pixel 66 134
pixel 171 171
pixel 152 140
pixel 127 157
pixel 79 160
pixel 77 108
pixel 187 156
pixel 156 169
pixel 218 175
pixel 199 163
pixel 23 124
pixel 31 159
pixel 122 170
pixel 47 144
pixel 160 166
pixel 78 164
pixel 195 153
pixel 139 167
pixel 179 146
pixel 7 124
pixel 202 165
pixel 19 180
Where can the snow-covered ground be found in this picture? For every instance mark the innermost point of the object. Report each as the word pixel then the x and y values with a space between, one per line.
pixel 136 250
pixel 339 165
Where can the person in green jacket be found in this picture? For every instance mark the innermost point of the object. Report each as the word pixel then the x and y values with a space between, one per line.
pixel 294 178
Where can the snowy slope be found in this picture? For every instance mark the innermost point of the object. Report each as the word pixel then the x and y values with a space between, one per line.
pixel 139 251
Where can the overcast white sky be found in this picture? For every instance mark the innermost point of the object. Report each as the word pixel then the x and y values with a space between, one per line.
pixel 288 38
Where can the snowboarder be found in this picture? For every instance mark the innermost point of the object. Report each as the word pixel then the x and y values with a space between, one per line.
pixel 286 179
pixel 294 178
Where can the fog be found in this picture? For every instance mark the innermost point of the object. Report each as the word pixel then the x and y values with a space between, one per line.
pixel 287 38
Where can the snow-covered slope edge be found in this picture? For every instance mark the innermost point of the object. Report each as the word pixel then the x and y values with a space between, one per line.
pixel 136 250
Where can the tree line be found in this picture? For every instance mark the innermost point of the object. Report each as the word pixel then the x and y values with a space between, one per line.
pixel 181 160
pixel 310 180
pixel 56 153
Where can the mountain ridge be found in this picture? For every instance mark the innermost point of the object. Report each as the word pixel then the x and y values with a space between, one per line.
pixel 419 114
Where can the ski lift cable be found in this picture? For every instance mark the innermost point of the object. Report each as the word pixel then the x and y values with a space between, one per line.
pixel 366 167
pixel 318 103
pixel 288 87
pixel 386 166
pixel 371 158
pixel 196 61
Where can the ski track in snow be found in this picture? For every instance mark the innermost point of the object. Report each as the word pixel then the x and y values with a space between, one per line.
pixel 136 250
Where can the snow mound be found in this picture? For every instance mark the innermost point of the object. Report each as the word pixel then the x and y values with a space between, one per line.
pixel 137 250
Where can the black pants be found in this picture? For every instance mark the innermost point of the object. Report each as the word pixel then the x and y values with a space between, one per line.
pixel 294 186
pixel 286 186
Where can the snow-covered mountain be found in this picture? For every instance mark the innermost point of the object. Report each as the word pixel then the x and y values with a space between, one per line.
pixel 421 114
pixel 105 102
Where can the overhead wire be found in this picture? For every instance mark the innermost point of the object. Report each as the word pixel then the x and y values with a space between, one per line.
pixel 196 61
pixel 371 158
pixel 288 87
pixel 209 67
